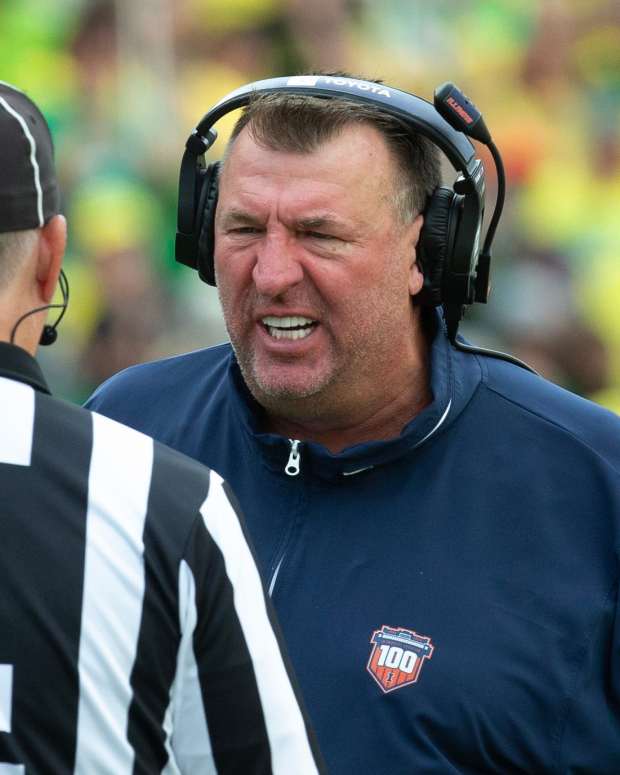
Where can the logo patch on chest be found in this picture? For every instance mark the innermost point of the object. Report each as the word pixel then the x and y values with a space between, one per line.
pixel 397 657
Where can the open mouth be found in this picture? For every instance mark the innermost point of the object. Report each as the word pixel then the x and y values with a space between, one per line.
pixel 291 327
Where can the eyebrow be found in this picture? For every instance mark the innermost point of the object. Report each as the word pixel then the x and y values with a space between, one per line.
pixel 239 218
pixel 243 218
pixel 318 222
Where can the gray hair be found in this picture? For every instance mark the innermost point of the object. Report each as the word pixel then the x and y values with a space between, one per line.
pixel 14 246
pixel 300 124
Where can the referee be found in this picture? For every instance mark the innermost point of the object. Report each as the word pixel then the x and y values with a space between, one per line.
pixel 134 632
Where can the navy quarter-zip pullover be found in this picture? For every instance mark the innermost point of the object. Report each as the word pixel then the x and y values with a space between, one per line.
pixel 449 596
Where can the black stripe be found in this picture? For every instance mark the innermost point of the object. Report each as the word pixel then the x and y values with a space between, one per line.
pixel 43 520
pixel 9 749
pixel 178 488
pixel 275 624
pixel 230 695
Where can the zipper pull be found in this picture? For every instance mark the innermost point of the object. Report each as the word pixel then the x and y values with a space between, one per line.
pixel 294 461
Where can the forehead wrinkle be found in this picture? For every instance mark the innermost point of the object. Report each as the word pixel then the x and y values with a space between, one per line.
pixel 295 188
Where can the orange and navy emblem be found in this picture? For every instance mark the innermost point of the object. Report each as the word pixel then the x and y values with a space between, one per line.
pixel 397 657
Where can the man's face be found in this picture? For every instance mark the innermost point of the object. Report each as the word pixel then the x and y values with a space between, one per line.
pixel 315 271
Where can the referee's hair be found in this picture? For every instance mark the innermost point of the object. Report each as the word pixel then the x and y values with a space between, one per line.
pixel 14 246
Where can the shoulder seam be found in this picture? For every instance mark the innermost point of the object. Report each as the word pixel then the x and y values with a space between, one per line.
pixel 557 425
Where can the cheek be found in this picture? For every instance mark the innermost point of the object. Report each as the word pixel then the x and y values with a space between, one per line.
pixel 231 272
pixel 228 289
pixel 221 262
pixel 361 307
pixel 388 279
pixel 375 286
pixel 388 300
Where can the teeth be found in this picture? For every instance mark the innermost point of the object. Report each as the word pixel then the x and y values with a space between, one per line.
pixel 287 322
pixel 283 333
pixel 290 327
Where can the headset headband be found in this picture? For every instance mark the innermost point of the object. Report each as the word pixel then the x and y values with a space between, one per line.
pixel 417 112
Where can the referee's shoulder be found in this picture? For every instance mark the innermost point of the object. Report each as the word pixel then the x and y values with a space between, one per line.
pixel 179 485
pixel 178 482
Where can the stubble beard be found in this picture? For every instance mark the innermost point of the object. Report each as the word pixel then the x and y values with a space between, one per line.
pixel 278 395
pixel 354 374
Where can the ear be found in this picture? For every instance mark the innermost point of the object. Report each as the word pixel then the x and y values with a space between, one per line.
pixel 51 252
pixel 416 278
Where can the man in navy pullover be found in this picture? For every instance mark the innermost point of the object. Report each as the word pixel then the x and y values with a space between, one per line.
pixel 439 530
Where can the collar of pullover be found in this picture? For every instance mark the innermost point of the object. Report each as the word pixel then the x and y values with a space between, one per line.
pixel 454 378
pixel 16 363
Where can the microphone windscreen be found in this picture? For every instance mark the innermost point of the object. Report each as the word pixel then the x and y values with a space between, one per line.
pixel 48 335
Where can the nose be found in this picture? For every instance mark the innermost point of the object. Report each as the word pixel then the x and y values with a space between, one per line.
pixel 276 269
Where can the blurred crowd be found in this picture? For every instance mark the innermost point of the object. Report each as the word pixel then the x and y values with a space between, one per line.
pixel 123 84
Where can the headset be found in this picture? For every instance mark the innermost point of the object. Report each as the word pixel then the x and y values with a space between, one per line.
pixel 456 269
pixel 49 334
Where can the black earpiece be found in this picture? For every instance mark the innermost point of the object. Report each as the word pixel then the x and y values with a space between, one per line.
pixel 48 335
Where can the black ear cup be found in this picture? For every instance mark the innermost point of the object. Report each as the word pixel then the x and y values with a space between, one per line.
pixel 436 243
pixel 205 222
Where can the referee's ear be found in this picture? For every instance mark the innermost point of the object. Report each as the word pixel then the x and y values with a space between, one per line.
pixel 52 243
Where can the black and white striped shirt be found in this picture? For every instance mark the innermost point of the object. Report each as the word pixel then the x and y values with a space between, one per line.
pixel 134 632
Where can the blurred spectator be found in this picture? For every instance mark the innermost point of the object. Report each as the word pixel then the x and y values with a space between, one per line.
pixel 123 84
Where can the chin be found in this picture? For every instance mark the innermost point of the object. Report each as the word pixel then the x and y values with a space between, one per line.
pixel 287 390
pixel 270 388
pixel 270 383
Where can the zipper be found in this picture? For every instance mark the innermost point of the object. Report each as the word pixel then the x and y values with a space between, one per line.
pixel 294 460
pixel 292 467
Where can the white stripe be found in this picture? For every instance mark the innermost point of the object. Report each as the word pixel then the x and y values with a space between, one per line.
pixel 439 424
pixel 6 697
pixel 191 742
pixel 118 490
pixel 6 704
pixel 357 471
pixel 272 583
pixel 16 422
pixel 33 156
pixel 171 767
pixel 290 748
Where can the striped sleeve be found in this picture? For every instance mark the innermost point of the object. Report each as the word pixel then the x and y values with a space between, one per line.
pixel 146 609
pixel 113 591
pixel 235 706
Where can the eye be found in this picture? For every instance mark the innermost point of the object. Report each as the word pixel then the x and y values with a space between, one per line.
pixel 244 230
pixel 319 235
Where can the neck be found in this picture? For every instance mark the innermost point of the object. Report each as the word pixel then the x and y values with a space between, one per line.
pixel 27 333
pixel 378 419
pixel 16 300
